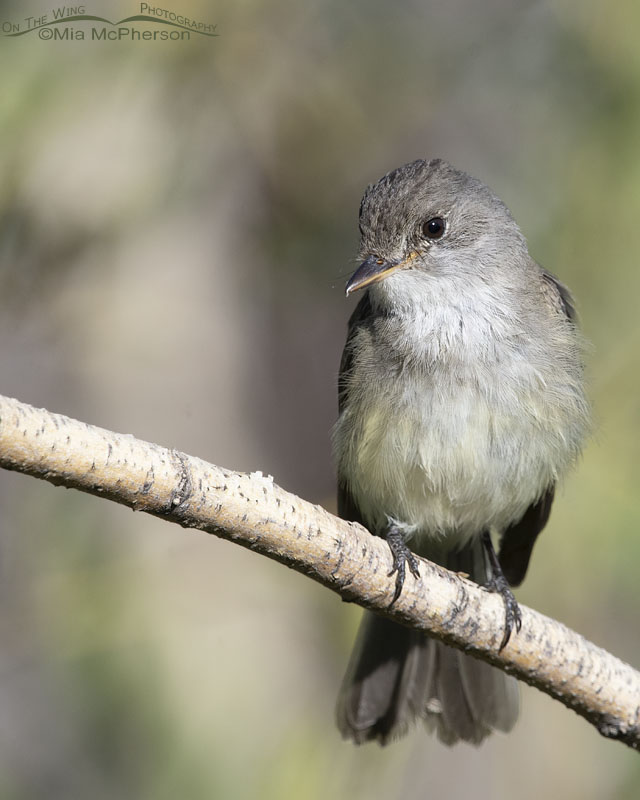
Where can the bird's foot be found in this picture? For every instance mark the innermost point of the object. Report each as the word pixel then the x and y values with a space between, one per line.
pixel 402 556
pixel 512 616
pixel 498 583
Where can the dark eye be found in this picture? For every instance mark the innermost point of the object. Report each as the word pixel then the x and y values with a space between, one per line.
pixel 433 228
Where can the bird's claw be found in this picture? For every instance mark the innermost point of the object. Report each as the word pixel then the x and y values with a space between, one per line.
pixel 512 615
pixel 402 556
pixel 498 583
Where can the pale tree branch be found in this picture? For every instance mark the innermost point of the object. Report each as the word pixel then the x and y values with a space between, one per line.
pixel 251 510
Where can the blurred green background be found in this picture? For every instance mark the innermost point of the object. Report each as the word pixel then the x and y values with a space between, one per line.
pixel 177 220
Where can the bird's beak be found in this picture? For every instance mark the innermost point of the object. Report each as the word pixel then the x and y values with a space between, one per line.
pixel 374 269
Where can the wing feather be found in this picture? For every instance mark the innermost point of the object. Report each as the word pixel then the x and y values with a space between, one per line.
pixel 516 544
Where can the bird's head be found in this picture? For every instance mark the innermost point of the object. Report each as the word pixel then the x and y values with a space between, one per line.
pixel 430 218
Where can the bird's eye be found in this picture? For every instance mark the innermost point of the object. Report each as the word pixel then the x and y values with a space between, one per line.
pixel 433 228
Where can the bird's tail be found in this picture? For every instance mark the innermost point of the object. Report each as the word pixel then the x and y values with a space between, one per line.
pixel 396 675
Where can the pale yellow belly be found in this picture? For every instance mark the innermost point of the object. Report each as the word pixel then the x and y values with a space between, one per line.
pixel 451 469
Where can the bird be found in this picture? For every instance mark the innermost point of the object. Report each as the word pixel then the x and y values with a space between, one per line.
pixel 462 406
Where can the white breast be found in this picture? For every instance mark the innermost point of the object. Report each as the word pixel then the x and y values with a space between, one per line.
pixel 456 432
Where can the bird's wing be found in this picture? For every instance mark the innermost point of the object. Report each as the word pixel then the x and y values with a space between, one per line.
pixel 361 315
pixel 347 507
pixel 517 541
pixel 558 296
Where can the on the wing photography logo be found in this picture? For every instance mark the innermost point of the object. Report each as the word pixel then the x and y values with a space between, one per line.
pixel 73 23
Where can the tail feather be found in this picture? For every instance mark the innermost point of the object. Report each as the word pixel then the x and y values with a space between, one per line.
pixel 386 682
pixel 397 675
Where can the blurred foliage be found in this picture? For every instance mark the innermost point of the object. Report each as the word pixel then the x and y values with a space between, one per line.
pixel 176 223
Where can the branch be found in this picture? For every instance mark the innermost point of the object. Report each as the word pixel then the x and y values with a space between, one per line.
pixel 254 512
